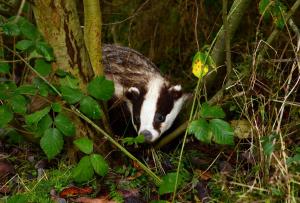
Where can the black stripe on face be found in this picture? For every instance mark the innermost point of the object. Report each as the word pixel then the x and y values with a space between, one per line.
pixel 164 106
pixel 137 102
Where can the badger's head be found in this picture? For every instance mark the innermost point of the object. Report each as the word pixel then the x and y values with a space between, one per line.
pixel 154 107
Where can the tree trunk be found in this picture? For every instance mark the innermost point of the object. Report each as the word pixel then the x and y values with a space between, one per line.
pixel 59 23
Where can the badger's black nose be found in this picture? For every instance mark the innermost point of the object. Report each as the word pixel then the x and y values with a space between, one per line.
pixel 147 134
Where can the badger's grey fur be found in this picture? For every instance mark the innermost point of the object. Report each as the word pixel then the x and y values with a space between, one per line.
pixel 152 101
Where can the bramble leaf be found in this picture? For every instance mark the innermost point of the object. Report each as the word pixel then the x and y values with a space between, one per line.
pixel 36 116
pixel 168 183
pixel 208 111
pixel 52 142
pixel 84 144
pixel 200 129
pixel 100 88
pixel 99 164
pixel 90 108
pixel 84 170
pixel 6 115
pixel 64 125
pixel 222 131
pixel 71 95
pixel 42 67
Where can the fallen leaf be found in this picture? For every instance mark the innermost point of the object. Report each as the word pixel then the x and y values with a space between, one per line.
pixel 6 169
pixel 93 200
pixel 204 175
pixel 75 191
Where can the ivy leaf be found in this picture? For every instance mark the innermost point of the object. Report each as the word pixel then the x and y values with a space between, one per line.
pixel 4 67
pixel 64 124
pixel 52 142
pixel 71 95
pixel 6 115
pixel 37 116
pixel 42 67
pixel 222 131
pixel 208 111
pixel 99 164
pixel 100 88
pixel 18 104
pixel 24 44
pixel 84 144
pixel 200 129
pixel 45 50
pixel 168 183
pixel 84 170
pixel 90 108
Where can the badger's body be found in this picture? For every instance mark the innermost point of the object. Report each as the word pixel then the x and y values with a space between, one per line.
pixel 151 100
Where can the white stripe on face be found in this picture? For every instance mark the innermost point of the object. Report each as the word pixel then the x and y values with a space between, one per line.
pixel 148 108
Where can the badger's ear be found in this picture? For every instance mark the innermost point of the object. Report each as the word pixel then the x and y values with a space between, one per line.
pixel 175 91
pixel 132 93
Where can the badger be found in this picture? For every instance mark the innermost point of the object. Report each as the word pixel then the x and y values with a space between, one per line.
pixel 152 101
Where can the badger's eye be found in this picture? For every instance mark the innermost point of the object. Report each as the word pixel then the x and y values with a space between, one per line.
pixel 159 118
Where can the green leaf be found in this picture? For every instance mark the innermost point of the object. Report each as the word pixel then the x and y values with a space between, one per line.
pixel 83 171
pixel 200 129
pixel 18 104
pixel 4 67
pixel 71 95
pixel 45 50
pixel 84 144
pixel 264 8
pixel 6 115
pixel 37 116
pixel 64 124
pixel 42 86
pixel 24 44
pixel 90 108
pixel 168 183
pixel 42 67
pixel 28 30
pixel 7 90
pixel 14 137
pixel 208 111
pixel 222 131
pixel 56 107
pixel 295 159
pixel 268 144
pixel 99 164
pixel 134 140
pixel 44 124
pixel 11 29
pixel 26 89
pixel 52 142
pixel 69 81
pixel 100 88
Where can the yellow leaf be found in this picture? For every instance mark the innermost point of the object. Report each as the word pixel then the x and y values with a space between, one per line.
pixel 199 69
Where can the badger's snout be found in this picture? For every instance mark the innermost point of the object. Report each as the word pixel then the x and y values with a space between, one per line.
pixel 148 136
